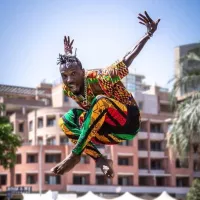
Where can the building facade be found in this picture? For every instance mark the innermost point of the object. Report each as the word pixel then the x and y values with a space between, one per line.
pixel 180 52
pixel 142 166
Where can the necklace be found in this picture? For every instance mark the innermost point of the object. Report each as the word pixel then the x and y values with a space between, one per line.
pixel 85 84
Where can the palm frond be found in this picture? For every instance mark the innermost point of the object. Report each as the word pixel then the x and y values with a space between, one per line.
pixel 185 129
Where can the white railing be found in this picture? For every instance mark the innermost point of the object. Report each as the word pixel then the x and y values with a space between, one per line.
pixel 196 174
pixel 142 154
pixel 143 171
pixel 123 189
pixel 157 154
pixel 142 135
pixel 157 171
pixel 157 136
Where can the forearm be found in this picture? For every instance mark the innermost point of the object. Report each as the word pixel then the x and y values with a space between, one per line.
pixel 131 55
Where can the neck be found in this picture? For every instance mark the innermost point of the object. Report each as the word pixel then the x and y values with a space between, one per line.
pixel 82 89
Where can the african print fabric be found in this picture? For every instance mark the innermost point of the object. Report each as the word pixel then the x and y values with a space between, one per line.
pixel 104 82
pixel 106 122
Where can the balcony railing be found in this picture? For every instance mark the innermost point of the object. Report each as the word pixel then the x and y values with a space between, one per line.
pixel 123 189
pixel 157 136
pixel 143 154
pixel 157 154
pixel 142 135
pixel 196 174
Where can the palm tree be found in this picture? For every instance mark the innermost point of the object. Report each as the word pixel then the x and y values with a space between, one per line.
pixel 185 130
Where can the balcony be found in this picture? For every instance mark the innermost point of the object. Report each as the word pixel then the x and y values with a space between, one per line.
pixel 157 154
pixel 142 135
pixel 157 136
pixel 157 172
pixel 143 171
pixel 123 189
pixel 196 174
pixel 142 154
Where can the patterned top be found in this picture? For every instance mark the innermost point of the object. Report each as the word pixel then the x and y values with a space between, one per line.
pixel 104 82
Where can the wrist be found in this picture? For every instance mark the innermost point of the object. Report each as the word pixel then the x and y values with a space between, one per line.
pixel 148 35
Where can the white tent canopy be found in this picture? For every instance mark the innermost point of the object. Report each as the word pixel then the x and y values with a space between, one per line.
pixel 164 196
pixel 90 196
pixel 128 196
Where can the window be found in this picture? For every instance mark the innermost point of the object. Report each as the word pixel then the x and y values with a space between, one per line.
pixel 144 181
pixel 196 166
pixel 160 181
pixel 125 160
pixel 32 158
pixel 156 164
pixel 142 145
pixel 12 125
pixel 182 181
pixel 126 143
pixel 31 178
pixel 81 180
pixel 19 159
pixel 51 141
pixel 52 158
pixel 125 180
pixel 156 128
pixel 40 122
pixel 21 127
pixel 156 146
pixel 143 163
pixel 182 164
pixel 40 140
pixel 51 121
pixel 165 108
pixel 52 179
pixel 3 179
pixel 18 179
pixel 64 140
pixel 30 125
pixel 102 180
pixel 85 159
pixel 143 127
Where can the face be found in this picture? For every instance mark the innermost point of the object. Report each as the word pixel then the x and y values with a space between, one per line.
pixel 73 77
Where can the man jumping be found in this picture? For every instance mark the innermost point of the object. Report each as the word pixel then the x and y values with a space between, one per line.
pixel 109 113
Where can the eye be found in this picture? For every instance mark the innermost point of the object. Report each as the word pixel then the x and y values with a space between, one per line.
pixel 64 76
pixel 73 73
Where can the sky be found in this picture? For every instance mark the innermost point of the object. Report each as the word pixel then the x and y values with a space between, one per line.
pixel 31 36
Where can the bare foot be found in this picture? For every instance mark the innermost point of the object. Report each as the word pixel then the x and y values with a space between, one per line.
pixel 106 166
pixel 67 164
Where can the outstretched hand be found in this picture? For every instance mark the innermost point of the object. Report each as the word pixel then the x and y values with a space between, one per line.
pixel 68 45
pixel 148 22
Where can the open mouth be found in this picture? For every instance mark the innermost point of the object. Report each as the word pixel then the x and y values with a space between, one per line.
pixel 72 87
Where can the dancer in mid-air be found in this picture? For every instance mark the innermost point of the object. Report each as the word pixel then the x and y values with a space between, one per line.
pixel 108 114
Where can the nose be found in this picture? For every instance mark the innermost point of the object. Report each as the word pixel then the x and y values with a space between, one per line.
pixel 69 80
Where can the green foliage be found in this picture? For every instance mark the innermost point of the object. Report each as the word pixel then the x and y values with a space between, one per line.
pixel 185 130
pixel 9 142
pixel 194 193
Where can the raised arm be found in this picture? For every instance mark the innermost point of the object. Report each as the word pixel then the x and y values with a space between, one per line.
pixel 151 28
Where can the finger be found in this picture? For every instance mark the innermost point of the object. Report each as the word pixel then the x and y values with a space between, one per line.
pixel 71 42
pixel 149 18
pixel 144 18
pixel 142 23
pixel 68 40
pixel 157 21
pixel 65 39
